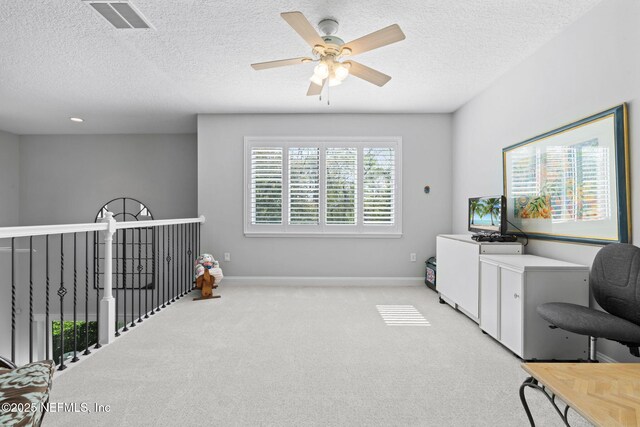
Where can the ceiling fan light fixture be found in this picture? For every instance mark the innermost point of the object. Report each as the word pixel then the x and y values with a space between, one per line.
pixel 346 51
pixel 321 70
pixel 341 72
pixel 333 81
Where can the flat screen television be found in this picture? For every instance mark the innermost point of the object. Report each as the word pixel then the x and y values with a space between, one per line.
pixel 488 215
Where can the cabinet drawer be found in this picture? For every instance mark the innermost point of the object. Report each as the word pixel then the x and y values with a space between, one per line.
pixel 501 249
pixel 511 310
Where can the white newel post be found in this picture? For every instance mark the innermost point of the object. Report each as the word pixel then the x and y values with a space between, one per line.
pixel 107 322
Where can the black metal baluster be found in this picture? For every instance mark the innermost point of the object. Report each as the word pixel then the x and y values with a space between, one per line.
pixel 199 239
pixel 75 301
pixel 179 263
pixel 174 270
pixel 96 283
pixel 164 275
pixel 124 277
pixel 169 273
pixel 13 299
pixel 86 294
pixel 30 299
pixel 133 279
pixel 139 275
pixel 146 273
pixel 189 255
pixel 184 259
pixel 174 263
pixel 124 265
pixel 154 276
pixel 62 291
pixel 194 256
pixel 118 283
pixel 47 323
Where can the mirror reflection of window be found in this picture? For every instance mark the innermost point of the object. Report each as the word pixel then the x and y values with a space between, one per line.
pixel 566 183
pixel 561 183
pixel 595 197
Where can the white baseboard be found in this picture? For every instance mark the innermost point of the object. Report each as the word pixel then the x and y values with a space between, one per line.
pixel 604 358
pixel 321 281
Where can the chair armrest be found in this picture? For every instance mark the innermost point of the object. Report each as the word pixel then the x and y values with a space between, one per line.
pixel 6 363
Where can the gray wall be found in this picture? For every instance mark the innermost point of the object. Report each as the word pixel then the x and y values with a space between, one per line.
pixel 426 160
pixel 9 179
pixel 67 178
pixel 9 210
pixel 588 68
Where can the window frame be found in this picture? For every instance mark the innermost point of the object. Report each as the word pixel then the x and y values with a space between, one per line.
pixel 323 230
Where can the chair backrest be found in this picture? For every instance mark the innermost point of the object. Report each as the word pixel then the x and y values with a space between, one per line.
pixel 615 280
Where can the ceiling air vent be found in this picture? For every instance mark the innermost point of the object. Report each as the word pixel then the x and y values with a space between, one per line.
pixel 121 14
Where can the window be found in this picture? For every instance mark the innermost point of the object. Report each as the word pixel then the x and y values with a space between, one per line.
pixel 323 186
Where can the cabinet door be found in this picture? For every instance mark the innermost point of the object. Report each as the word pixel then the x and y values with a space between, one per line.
pixel 458 275
pixel 490 299
pixel 447 266
pixel 468 277
pixel 511 310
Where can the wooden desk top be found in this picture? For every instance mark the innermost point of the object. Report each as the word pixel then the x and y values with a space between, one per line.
pixel 606 394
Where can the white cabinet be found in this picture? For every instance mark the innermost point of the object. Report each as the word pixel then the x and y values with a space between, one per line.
pixel 513 286
pixel 459 269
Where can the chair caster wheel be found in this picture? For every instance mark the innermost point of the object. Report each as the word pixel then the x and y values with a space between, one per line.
pixel 441 301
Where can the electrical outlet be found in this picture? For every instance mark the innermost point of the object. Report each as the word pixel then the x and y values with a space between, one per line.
pixel 227 256
pixel 412 257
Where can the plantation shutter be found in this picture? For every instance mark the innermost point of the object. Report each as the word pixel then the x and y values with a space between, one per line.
pixel 341 185
pixel 378 191
pixel 266 185
pixel 304 185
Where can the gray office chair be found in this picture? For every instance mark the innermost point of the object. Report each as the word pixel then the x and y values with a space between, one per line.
pixel 615 285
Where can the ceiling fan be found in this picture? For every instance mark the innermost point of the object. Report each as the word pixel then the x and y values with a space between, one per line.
pixel 329 52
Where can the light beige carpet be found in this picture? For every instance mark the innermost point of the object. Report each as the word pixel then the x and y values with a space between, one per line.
pixel 301 356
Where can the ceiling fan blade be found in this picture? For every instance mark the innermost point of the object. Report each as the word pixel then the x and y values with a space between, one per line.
pixel 303 27
pixel 280 63
pixel 315 89
pixel 368 74
pixel 383 37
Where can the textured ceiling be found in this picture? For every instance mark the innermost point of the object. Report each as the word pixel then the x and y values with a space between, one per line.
pixel 59 58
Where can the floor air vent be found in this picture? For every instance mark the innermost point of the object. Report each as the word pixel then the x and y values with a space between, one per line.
pixel 120 14
pixel 401 315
